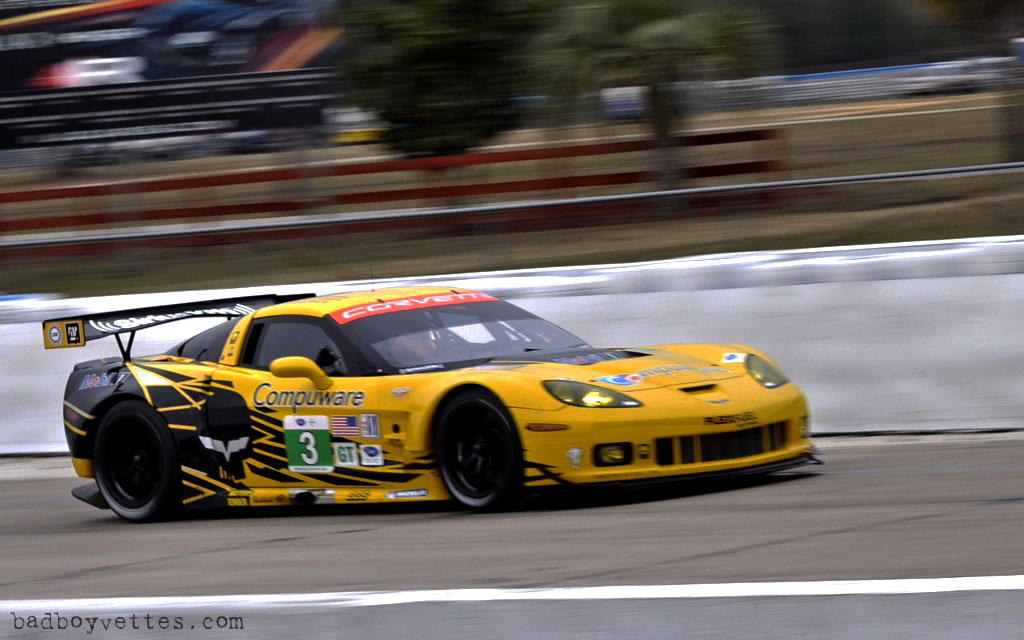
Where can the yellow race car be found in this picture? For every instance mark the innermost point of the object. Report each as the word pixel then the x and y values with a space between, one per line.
pixel 405 394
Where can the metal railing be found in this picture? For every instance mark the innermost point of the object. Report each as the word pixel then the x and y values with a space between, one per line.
pixel 396 218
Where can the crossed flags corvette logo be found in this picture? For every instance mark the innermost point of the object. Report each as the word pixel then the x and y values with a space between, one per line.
pixel 226 448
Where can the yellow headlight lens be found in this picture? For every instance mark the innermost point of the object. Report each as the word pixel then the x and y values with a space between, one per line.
pixel 580 394
pixel 596 399
pixel 766 374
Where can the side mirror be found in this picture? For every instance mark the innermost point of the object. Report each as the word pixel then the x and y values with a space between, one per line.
pixel 300 367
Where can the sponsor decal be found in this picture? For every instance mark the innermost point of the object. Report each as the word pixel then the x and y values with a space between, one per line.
pixel 239 498
pixel 226 448
pixel 371 455
pixel 232 343
pixel 401 392
pixel 622 380
pixel 591 358
pixel 346 454
pixel 631 379
pixel 126 324
pixel 349 314
pixel 94 381
pixel 68 333
pixel 735 418
pixel 622 475
pixel 421 368
pixel 407 493
pixel 719 401
pixel 267 497
pixel 357 496
pixel 307 440
pixel 730 358
pixel 344 427
pixel 575 456
pixel 369 426
pixel 265 396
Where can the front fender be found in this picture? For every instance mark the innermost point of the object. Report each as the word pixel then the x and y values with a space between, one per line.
pixel 514 390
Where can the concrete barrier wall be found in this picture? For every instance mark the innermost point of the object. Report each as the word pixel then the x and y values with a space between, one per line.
pixel 904 337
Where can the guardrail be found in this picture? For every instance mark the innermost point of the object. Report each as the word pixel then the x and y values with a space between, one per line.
pixel 600 206
pixel 300 189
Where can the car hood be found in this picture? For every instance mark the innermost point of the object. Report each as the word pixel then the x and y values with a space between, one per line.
pixel 636 369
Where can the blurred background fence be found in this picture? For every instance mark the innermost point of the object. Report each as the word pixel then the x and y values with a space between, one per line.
pixel 765 129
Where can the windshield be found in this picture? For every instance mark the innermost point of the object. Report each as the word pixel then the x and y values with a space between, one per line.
pixel 435 338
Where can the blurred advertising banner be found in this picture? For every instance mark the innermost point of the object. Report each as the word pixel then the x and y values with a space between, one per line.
pixel 83 72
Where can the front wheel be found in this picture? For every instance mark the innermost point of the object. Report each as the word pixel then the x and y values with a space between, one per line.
pixel 479 452
pixel 136 463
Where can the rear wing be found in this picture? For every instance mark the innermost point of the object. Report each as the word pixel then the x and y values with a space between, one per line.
pixel 77 331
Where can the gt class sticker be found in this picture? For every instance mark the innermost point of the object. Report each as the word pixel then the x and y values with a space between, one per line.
pixel 346 454
pixel 343 316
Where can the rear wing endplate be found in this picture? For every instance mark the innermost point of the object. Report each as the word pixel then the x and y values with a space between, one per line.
pixel 77 331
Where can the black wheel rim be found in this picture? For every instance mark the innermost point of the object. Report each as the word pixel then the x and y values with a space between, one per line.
pixel 478 451
pixel 134 463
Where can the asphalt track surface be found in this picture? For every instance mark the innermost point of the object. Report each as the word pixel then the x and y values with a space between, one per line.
pixel 880 508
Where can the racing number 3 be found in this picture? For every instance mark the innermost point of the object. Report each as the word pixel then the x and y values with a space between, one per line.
pixel 308 441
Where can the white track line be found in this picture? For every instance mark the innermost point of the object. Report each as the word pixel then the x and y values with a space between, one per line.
pixel 629 592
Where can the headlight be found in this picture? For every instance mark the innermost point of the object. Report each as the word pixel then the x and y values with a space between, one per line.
pixel 767 374
pixel 579 394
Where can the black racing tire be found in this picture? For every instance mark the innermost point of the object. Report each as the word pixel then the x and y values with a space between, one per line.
pixel 136 463
pixel 479 451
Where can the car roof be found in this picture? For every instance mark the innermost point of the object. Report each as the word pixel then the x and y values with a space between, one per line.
pixel 323 305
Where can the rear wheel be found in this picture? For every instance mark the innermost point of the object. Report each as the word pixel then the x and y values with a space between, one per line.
pixel 136 463
pixel 479 452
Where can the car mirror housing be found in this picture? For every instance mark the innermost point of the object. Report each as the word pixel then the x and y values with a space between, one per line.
pixel 300 367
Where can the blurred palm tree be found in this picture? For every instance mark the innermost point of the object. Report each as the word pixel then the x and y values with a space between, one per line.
pixel 445 75
pixel 998 20
pixel 658 45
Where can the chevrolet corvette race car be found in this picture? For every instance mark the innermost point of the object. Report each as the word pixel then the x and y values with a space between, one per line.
pixel 405 394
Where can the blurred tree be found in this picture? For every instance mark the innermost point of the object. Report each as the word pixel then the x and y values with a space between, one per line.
pixel 443 74
pixel 653 44
pixel 997 20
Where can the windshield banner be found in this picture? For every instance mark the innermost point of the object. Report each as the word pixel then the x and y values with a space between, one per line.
pixel 359 311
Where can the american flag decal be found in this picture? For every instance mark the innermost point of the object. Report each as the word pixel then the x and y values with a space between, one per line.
pixel 344 427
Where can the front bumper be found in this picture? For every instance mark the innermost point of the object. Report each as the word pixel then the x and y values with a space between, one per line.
pixel 639 484
pixel 666 442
